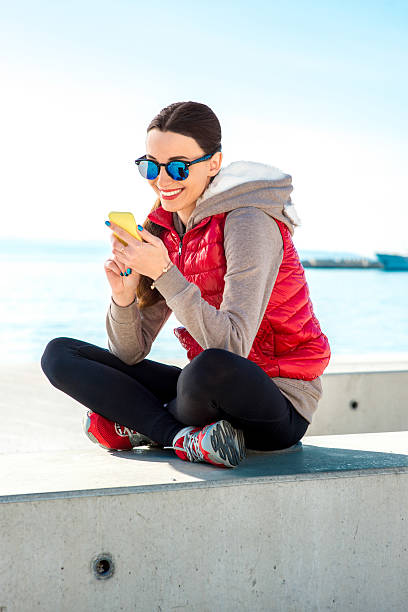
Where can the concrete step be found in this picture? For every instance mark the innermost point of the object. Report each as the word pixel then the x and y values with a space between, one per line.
pixel 324 527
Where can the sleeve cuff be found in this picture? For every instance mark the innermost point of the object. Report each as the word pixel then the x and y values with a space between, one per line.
pixel 171 283
pixel 124 314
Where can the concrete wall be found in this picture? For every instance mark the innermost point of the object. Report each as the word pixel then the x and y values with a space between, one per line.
pixel 219 540
pixel 360 402
pixel 362 393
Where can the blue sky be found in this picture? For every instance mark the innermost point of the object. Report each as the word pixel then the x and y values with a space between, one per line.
pixel 318 90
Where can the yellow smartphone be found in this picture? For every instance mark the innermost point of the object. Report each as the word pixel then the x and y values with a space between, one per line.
pixel 126 221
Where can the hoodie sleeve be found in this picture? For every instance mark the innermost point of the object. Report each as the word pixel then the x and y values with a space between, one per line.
pixel 131 332
pixel 254 250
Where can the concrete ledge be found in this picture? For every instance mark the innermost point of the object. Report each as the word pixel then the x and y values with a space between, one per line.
pixel 98 472
pixel 322 528
pixel 362 402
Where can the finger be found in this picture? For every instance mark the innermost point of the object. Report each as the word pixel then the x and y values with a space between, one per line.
pixel 117 244
pixel 121 265
pixel 119 231
pixel 125 269
pixel 121 257
pixel 112 266
pixel 115 241
pixel 146 235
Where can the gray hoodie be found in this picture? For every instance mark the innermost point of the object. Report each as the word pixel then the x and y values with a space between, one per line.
pixel 253 194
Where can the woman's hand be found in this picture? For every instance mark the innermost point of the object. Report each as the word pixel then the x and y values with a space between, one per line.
pixel 147 258
pixel 123 287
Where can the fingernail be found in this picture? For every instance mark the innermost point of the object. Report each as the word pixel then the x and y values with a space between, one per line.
pixel 129 270
pixel 107 223
pixel 121 273
pixel 140 227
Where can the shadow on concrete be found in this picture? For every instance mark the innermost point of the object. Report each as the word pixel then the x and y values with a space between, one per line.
pixel 307 460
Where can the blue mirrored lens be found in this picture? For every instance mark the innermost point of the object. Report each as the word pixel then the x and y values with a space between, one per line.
pixel 148 169
pixel 177 170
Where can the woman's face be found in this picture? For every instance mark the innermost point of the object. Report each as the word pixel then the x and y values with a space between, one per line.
pixel 161 147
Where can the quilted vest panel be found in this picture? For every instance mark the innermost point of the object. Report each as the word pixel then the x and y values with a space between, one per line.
pixel 289 342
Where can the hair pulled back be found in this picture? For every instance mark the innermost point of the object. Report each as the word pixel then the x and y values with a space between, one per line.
pixel 191 119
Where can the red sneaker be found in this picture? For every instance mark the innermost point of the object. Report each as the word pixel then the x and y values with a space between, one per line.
pixel 218 443
pixel 111 435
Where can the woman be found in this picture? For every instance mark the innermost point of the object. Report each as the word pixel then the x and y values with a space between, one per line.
pixel 217 246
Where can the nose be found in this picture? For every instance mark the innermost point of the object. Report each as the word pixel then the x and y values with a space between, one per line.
pixel 162 180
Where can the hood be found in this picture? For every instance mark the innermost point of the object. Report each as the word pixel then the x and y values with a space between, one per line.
pixel 245 183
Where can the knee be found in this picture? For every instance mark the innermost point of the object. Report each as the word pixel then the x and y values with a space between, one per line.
pixel 210 367
pixel 54 358
pixel 213 359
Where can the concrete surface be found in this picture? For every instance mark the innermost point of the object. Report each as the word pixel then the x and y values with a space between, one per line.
pixel 71 473
pixel 323 528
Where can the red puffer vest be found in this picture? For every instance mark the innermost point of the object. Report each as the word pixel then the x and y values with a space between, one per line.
pixel 289 342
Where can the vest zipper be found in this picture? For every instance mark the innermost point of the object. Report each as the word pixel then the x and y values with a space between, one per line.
pixel 180 247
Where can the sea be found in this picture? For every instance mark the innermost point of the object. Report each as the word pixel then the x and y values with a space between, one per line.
pixel 51 290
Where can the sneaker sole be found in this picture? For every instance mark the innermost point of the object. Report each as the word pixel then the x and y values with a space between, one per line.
pixel 86 423
pixel 228 444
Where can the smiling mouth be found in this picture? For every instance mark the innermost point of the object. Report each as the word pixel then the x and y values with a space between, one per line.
pixel 170 195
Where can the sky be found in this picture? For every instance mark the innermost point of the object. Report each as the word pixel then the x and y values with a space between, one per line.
pixel 318 90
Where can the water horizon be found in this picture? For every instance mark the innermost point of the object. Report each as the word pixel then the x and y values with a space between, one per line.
pixel 62 290
pixel 73 248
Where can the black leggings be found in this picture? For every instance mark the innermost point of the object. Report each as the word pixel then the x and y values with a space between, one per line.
pixel 158 400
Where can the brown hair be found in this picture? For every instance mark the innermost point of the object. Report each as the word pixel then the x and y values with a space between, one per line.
pixel 188 119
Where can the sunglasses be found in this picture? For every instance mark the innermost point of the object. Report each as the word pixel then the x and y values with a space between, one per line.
pixel 177 169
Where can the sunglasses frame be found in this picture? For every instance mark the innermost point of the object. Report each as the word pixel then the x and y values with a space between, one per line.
pixel 180 161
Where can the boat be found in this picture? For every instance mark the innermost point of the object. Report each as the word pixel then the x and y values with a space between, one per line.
pixel 393 261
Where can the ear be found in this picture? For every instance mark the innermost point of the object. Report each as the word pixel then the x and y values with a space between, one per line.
pixel 215 163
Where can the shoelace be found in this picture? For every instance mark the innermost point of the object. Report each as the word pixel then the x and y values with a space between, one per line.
pixel 190 446
pixel 135 438
pixel 123 431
